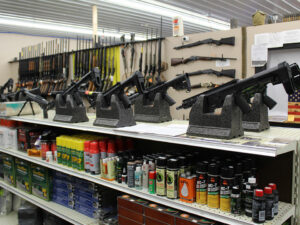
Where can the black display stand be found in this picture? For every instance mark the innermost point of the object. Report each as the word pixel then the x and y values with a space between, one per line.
pixel 226 125
pixel 257 119
pixel 115 115
pixel 157 111
pixel 69 111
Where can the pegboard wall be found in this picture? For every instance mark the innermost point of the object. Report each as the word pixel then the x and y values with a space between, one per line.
pixel 210 50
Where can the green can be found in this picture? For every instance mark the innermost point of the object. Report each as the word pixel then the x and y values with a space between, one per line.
pixel 74 154
pixel 161 176
pixel 80 154
pixel 172 178
pixel 58 149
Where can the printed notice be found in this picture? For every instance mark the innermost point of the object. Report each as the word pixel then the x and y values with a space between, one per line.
pixel 259 55
pixel 291 36
pixel 222 63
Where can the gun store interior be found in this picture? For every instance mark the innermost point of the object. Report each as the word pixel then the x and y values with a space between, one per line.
pixel 149 112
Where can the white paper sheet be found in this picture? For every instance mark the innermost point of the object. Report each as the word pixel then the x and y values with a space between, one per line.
pixel 259 55
pixel 291 36
pixel 223 63
pixel 154 129
pixel 271 40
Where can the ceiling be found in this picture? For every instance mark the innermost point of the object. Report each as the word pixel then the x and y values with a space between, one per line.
pixel 116 18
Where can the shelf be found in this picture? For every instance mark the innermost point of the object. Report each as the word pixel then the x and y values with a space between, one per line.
pixel 285 212
pixel 10 219
pixel 65 213
pixel 272 142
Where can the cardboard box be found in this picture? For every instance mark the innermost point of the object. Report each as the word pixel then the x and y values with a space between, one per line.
pixel 125 221
pixel 151 221
pixel 137 217
pixel 187 219
pixel 23 175
pixel 160 213
pixel 41 182
pixel 9 169
pixel 130 203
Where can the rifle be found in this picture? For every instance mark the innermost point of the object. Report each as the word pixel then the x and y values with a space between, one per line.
pixel 222 41
pixel 225 73
pixel 132 37
pixel 141 59
pixel 154 63
pixel 135 80
pixel 35 95
pixel 104 68
pixel 178 61
pixel 9 86
pixel 146 56
pixel 148 79
pixel 75 87
pixel 159 69
pixel 244 90
pixel 124 45
pixel 178 83
pixel 205 85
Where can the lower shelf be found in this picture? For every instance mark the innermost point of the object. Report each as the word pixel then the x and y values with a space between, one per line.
pixel 63 212
pixel 286 210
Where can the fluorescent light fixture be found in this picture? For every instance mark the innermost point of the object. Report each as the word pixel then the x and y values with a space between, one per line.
pixel 30 23
pixel 167 10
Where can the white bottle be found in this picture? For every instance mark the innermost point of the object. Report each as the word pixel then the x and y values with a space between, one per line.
pixel 138 178
pixel 145 169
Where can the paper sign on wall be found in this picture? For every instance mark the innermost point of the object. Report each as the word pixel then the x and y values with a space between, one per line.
pixel 291 36
pixel 222 63
pixel 272 40
pixel 259 55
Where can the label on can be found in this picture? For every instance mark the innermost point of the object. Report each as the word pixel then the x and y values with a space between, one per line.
pixel 172 183
pixel 225 193
pixel 130 175
pixel 213 188
pixel 201 188
pixel 94 163
pixel 160 181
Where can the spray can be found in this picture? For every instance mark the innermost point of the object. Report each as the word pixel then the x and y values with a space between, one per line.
pixel 80 154
pixel 119 167
pixel 87 156
pixel 236 200
pixel 250 187
pixel 152 182
pixel 120 145
pixel 111 149
pixel 172 178
pixel 111 168
pixel 259 207
pixel 182 164
pixel 138 178
pixel 246 169
pixel 152 165
pixel 94 158
pixel 276 197
pixel 226 184
pixel 124 176
pixel 130 174
pixel 238 176
pixel 145 169
pixel 161 176
pixel 129 145
pixel 103 155
pixel 213 186
pixel 104 170
pixel 269 203
pixel 201 183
